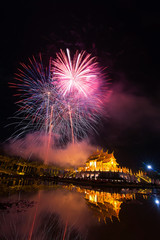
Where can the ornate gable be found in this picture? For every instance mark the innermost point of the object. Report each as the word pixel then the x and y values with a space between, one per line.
pixel 102 161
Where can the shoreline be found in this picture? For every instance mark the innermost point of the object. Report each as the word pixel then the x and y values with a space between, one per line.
pixel 100 184
pixel 104 184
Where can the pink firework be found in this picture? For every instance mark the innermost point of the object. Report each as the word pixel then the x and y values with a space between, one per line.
pixel 79 76
pixel 80 84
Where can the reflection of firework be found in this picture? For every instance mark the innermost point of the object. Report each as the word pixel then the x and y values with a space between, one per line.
pixel 49 219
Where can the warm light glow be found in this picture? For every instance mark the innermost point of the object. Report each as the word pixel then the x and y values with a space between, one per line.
pixel 21 173
pixel 103 161
pixel 106 204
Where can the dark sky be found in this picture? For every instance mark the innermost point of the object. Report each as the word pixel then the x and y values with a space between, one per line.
pixel 124 35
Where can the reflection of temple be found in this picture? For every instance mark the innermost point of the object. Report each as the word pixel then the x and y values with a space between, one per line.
pixel 105 204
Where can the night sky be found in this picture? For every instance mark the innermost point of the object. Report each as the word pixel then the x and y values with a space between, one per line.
pixel 124 35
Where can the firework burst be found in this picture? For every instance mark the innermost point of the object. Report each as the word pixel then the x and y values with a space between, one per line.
pixel 37 96
pixel 79 82
pixel 65 99
pixel 79 77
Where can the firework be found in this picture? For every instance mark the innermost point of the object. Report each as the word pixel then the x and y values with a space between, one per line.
pixel 38 101
pixel 76 120
pixel 79 77
pixel 64 100
pixel 79 82
pixel 37 96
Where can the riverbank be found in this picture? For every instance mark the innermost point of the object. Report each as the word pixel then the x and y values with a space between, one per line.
pixel 100 184
pixel 104 184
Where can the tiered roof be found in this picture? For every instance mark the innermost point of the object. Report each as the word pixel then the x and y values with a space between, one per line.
pixel 99 156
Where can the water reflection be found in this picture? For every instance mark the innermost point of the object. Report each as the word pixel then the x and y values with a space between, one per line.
pixel 106 205
pixel 61 212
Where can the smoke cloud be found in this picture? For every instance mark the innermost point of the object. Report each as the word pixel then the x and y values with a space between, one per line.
pixel 130 109
pixel 35 146
pixel 133 116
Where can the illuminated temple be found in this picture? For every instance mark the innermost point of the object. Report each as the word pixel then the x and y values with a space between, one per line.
pixel 103 165
pixel 102 161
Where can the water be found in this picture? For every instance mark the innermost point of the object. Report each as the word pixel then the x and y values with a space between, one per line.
pixel 48 211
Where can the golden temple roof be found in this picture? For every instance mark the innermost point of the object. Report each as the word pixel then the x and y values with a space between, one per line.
pixel 101 156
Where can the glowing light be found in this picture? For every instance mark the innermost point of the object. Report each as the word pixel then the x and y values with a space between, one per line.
pixel 78 76
pixel 79 83
pixel 157 201
pixel 37 97
pixel 65 99
pixel 102 161
pixel 149 166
